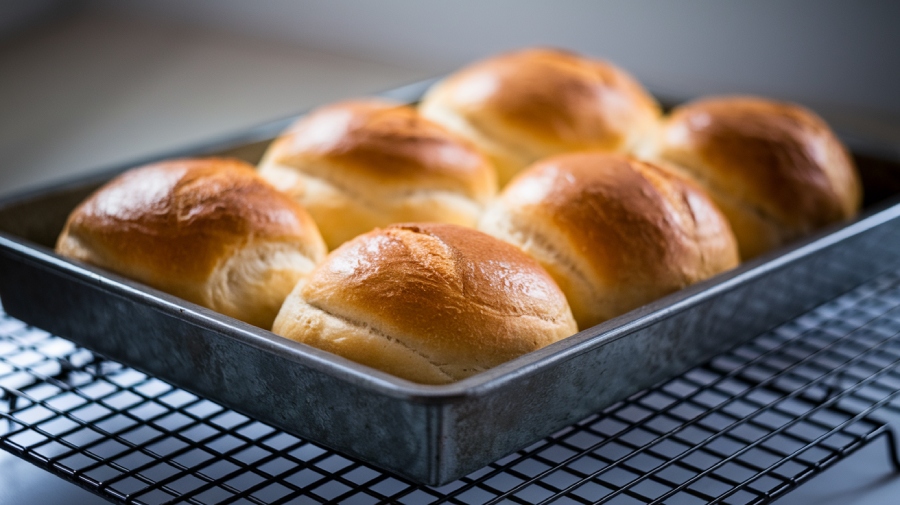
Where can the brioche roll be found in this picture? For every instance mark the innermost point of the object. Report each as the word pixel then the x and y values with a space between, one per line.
pixel 615 233
pixel 775 169
pixel 521 106
pixel 431 303
pixel 362 164
pixel 210 231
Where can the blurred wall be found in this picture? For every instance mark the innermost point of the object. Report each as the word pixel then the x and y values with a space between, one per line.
pixel 840 54
pixel 91 83
pixel 17 16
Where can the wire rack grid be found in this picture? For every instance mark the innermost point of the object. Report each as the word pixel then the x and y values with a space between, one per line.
pixel 744 428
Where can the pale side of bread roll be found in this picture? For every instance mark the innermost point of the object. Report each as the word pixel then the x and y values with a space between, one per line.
pixel 358 165
pixel 615 233
pixel 775 169
pixel 210 231
pixel 522 106
pixel 431 303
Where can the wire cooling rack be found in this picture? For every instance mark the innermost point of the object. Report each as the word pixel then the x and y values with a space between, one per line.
pixel 744 428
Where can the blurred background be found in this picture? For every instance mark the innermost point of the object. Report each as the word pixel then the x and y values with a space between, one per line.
pixel 86 84
pixel 90 83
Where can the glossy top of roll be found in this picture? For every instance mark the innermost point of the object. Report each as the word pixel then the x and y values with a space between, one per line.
pixel 614 232
pixel 559 99
pixel 386 144
pixel 210 231
pixel 779 159
pixel 178 218
pixel 457 301
pixel 628 218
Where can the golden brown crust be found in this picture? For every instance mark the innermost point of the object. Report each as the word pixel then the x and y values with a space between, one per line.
pixel 615 232
pixel 390 163
pixel 538 102
pixel 776 167
pixel 385 143
pixel 173 223
pixel 459 300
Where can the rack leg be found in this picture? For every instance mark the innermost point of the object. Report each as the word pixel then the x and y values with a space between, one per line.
pixel 9 398
pixel 893 448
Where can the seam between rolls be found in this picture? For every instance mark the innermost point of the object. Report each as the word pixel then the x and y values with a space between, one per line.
pixel 370 328
pixel 353 195
pixel 695 239
pixel 720 193
pixel 543 243
pixel 372 205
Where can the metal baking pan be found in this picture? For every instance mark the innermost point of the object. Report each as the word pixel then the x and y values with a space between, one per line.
pixel 429 434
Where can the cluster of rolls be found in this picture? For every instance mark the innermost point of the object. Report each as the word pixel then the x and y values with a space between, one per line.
pixel 604 204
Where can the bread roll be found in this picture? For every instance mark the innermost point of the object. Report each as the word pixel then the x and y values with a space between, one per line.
pixel 775 169
pixel 431 303
pixel 522 106
pixel 210 231
pixel 362 164
pixel 615 233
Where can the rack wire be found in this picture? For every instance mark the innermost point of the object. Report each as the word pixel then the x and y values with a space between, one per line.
pixel 744 428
